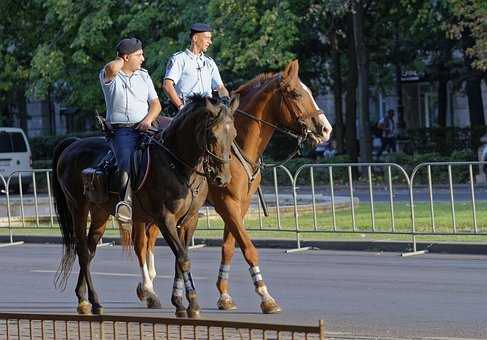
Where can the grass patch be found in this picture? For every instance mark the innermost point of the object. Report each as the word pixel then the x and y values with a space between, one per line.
pixel 322 227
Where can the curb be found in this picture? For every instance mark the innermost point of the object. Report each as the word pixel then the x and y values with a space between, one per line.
pixel 372 246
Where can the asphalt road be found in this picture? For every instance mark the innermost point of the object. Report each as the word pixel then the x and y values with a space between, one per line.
pixel 379 294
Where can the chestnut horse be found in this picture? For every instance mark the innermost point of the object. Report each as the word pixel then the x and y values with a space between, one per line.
pixel 268 103
pixel 195 148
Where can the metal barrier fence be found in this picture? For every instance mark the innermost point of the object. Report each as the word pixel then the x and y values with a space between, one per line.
pixel 323 198
pixel 57 327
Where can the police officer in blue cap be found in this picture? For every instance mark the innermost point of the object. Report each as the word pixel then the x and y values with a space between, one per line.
pixel 192 72
pixel 132 105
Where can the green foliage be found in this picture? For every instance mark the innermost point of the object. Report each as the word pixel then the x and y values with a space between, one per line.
pixel 444 141
pixel 43 147
pixel 472 20
pixel 253 36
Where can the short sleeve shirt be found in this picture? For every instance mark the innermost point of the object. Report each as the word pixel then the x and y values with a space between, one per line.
pixel 193 74
pixel 127 97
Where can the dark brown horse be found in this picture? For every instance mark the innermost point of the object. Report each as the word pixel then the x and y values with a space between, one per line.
pixel 194 149
pixel 268 103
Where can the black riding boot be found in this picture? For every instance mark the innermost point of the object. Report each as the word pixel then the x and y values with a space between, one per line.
pixel 123 209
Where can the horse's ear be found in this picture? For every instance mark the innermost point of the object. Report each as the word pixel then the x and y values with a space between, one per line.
pixel 211 107
pixel 291 71
pixel 234 103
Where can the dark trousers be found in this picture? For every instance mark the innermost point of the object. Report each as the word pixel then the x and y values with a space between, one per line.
pixel 123 142
pixel 388 143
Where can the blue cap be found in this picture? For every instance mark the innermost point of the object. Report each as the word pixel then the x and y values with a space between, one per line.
pixel 200 27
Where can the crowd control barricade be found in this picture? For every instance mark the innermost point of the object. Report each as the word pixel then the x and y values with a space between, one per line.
pixel 451 193
pixel 359 199
pixel 339 185
pixel 108 327
pixel 279 204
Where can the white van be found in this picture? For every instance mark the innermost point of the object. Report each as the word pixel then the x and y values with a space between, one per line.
pixel 15 155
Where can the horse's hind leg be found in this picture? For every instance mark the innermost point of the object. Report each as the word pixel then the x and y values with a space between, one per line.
pixel 85 256
pixel 151 232
pixel 99 218
pixel 80 216
pixel 145 289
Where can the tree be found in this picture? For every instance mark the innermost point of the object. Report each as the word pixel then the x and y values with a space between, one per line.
pixel 19 34
pixel 363 79
pixel 252 36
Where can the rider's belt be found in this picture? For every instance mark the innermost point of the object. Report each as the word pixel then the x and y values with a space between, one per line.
pixel 127 125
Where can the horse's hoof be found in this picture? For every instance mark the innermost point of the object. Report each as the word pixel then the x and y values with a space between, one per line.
pixel 226 304
pixel 153 303
pixel 84 308
pixel 181 313
pixel 194 314
pixel 270 307
pixel 140 292
pixel 97 310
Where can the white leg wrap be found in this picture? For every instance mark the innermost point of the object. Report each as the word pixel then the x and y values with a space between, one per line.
pixel 178 287
pixel 255 273
pixel 146 281
pixel 151 265
pixel 188 281
pixel 224 272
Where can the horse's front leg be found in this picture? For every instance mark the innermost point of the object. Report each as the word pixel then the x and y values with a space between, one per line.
pixel 183 264
pixel 145 289
pixel 225 301
pixel 184 280
pixel 231 213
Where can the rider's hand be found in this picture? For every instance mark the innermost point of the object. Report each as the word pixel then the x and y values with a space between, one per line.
pixel 225 100
pixel 144 125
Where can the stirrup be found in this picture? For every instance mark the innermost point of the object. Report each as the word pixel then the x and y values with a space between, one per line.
pixel 123 212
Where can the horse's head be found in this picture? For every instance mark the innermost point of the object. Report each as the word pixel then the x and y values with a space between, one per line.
pixel 299 111
pixel 215 137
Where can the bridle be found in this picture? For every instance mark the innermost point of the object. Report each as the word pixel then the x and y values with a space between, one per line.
pixel 208 158
pixel 303 132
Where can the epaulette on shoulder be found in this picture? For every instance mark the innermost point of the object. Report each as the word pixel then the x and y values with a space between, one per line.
pixel 177 53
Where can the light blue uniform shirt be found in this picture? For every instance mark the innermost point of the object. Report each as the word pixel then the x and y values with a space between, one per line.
pixel 193 74
pixel 127 98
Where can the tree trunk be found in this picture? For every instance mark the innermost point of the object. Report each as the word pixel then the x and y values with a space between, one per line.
pixel 52 112
pixel 400 107
pixel 22 108
pixel 474 94
pixel 351 98
pixel 337 93
pixel 442 97
pixel 363 82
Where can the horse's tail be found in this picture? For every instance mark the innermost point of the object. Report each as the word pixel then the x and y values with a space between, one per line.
pixel 65 219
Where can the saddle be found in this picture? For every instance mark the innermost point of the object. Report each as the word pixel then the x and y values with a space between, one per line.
pixel 102 180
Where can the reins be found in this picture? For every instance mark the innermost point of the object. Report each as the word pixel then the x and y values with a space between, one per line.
pixel 288 132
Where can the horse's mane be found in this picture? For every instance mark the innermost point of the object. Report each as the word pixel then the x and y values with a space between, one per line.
pixel 195 101
pixel 254 83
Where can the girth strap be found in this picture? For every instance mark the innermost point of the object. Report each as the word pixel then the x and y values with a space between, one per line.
pixel 251 173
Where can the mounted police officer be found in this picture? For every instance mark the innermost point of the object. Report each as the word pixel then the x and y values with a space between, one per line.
pixel 192 72
pixel 132 105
